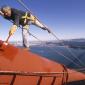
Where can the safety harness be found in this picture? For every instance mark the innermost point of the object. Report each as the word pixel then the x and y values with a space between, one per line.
pixel 26 18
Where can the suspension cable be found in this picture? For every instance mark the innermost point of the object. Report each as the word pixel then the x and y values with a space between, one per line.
pixel 51 32
pixel 56 51
pixel 64 56
pixel 53 49
pixel 22 3
pixel 59 53
pixel 70 51
pixel 34 36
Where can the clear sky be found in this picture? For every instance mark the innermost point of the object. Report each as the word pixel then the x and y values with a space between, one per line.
pixel 66 18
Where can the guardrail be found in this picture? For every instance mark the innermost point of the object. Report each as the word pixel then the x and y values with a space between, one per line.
pixel 39 74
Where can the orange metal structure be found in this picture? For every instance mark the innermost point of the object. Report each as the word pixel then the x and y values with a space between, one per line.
pixel 20 67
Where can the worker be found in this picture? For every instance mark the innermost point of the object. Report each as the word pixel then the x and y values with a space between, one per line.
pixel 21 18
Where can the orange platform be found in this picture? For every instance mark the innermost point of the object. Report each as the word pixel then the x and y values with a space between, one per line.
pixel 20 67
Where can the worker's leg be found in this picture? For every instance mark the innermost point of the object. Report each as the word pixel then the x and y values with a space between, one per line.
pixel 36 22
pixel 25 36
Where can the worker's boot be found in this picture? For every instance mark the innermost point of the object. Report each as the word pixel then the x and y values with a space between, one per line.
pixel 26 49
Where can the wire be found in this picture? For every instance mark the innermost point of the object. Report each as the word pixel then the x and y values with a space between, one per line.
pixel 54 50
pixel 68 50
pixel 22 3
pixel 65 57
pixel 45 43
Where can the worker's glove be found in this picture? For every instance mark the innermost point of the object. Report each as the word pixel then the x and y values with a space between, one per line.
pixel 45 28
pixel 12 30
pixel 48 31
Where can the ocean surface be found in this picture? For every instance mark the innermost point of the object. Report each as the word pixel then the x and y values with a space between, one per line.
pixel 56 53
pixel 72 57
pixel 68 52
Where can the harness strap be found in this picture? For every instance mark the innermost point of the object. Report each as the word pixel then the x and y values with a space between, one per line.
pixel 26 16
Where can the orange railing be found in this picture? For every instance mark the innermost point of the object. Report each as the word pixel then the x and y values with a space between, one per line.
pixel 39 74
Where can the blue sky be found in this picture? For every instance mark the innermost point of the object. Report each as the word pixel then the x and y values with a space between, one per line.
pixel 66 18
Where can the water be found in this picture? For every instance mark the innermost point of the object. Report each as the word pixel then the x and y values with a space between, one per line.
pixel 49 50
pixel 50 53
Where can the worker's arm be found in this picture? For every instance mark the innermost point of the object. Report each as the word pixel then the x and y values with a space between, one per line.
pixel 39 24
pixel 12 30
pixel 15 24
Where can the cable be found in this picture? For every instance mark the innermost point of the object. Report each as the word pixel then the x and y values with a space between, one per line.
pixel 34 36
pixel 56 51
pixel 65 57
pixel 69 50
pixel 52 49
pixel 22 3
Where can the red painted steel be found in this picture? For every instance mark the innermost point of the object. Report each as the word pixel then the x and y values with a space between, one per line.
pixel 17 59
